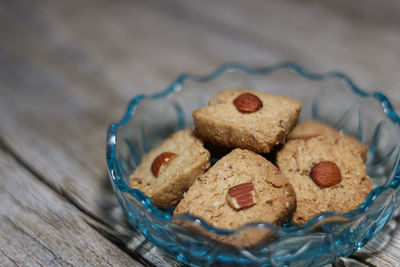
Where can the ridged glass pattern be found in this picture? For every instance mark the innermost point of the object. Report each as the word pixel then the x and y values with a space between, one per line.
pixel 331 98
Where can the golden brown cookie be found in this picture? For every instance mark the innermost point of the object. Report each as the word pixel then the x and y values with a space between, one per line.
pixel 248 119
pixel 234 176
pixel 167 171
pixel 312 167
pixel 312 128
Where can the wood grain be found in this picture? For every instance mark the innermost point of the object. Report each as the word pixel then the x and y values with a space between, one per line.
pixel 39 228
pixel 383 249
pixel 68 69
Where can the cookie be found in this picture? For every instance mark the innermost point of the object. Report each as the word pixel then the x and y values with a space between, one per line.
pixel 311 128
pixel 241 118
pixel 167 171
pixel 326 173
pixel 241 188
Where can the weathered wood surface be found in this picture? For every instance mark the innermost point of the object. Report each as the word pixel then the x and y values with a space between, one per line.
pixel 66 67
pixel 39 228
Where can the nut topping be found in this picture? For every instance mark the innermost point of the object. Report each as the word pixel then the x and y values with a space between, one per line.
pixel 161 159
pixel 326 173
pixel 247 103
pixel 241 196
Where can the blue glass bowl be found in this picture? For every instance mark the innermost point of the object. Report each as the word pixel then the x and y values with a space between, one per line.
pixel 331 98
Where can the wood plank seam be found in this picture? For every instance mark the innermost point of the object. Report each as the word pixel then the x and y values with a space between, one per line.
pixel 40 220
pixel 115 239
pixel 361 260
pixel 120 243
pixel 36 174
pixel 10 259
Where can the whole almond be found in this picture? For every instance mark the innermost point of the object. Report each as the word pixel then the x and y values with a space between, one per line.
pixel 247 103
pixel 161 159
pixel 326 173
pixel 241 196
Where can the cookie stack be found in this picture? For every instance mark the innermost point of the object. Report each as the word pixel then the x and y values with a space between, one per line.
pixel 317 169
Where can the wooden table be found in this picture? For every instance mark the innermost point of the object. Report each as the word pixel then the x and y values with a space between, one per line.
pixel 66 67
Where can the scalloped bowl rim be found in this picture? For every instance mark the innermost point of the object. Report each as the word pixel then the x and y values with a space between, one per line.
pixel 116 175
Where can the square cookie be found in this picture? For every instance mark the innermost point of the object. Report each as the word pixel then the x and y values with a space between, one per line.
pixel 326 173
pixel 242 187
pixel 242 118
pixel 167 171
